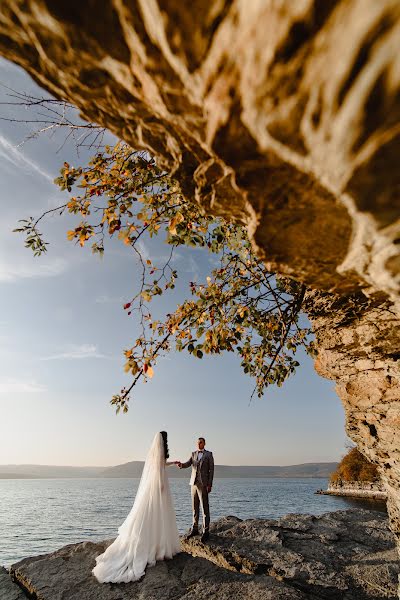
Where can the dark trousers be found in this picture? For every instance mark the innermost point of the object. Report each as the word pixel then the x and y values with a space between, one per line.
pixel 200 497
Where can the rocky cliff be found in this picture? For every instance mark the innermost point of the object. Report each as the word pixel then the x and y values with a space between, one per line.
pixel 347 555
pixel 359 348
pixel 283 115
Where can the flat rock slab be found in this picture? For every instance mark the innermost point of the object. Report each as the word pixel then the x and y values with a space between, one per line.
pixel 344 554
pixel 66 575
pixel 347 555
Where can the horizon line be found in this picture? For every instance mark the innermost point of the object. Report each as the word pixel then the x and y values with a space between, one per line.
pixel 321 462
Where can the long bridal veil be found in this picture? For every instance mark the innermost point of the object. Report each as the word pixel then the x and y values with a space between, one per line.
pixel 149 533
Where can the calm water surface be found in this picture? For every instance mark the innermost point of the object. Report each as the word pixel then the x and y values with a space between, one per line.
pixel 41 515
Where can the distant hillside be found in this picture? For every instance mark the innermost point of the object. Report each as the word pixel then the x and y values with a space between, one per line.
pixel 134 469
pixel 129 469
pixel 14 476
pixel 47 471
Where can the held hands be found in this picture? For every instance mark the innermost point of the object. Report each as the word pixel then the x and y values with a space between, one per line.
pixel 178 464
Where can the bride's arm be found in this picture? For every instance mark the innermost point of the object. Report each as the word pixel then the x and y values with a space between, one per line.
pixel 169 463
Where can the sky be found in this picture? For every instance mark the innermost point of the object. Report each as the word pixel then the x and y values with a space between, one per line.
pixel 63 331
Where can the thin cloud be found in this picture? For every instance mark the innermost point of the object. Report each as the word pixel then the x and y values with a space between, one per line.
pixel 12 386
pixel 75 352
pixel 14 156
pixel 191 267
pixel 14 270
pixel 158 258
pixel 105 299
pixel 142 248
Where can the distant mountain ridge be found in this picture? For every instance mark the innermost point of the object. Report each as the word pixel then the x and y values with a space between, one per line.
pixel 47 471
pixel 133 469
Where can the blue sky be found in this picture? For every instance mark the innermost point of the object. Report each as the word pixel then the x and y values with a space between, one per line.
pixel 63 330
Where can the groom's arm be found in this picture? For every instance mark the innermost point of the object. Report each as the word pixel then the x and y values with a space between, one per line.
pixel 211 469
pixel 187 464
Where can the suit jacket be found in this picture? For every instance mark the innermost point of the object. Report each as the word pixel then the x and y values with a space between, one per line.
pixel 205 467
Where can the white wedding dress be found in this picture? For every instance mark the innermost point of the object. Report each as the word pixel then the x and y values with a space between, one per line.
pixel 149 533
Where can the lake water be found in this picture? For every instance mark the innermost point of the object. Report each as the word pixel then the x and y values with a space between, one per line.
pixel 41 515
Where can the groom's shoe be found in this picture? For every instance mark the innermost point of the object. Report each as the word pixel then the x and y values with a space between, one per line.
pixel 205 537
pixel 192 533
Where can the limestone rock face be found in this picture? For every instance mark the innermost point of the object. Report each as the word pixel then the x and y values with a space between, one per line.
pixel 347 554
pixel 281 114
pixel 359 348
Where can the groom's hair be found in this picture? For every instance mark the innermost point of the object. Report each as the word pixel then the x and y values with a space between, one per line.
pixel 165 440
pixel 203 439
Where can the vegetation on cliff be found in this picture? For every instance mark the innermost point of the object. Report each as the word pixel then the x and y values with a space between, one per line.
pixel 354 467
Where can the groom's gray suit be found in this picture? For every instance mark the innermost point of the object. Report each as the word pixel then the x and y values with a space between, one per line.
pixel 200 480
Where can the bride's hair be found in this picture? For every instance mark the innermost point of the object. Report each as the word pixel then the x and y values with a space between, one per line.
pixel 165 440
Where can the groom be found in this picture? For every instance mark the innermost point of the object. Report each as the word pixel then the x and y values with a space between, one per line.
pixel 202 463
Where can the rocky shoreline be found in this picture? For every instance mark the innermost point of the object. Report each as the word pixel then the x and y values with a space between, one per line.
pixel 348 554
pixel 355 489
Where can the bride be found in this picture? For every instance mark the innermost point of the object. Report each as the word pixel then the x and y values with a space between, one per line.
pixel 149 533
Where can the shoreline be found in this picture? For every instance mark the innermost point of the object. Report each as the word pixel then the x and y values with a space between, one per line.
pixel 372 490
pixel 370 495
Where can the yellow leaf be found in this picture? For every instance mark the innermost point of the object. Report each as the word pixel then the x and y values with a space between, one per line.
pixel 71 204
pixel 242 310
pixel 71 234
pixel 134 368
pixel 123 234
pixel 178 218
pixel 150 372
